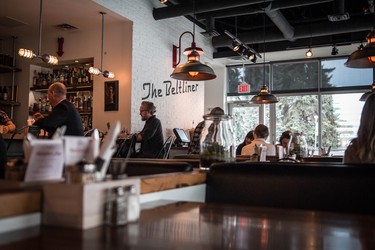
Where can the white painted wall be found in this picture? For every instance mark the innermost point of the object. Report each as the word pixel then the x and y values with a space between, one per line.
pixel 152 63
pixel 139 50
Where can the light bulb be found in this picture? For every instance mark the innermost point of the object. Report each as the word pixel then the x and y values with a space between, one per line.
pixel 108 74
pixel 193 73
pixel 26 53
pixel 94 71
pixel 50 59
pixel 309 53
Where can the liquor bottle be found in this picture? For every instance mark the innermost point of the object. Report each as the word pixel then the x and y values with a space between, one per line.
pixel 1 93
pixel 5 94
pixel 35 78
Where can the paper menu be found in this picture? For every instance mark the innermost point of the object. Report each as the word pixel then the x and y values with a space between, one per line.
pixel 46 160
pixel 75 149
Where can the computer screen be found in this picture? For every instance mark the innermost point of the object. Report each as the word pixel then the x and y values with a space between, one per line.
pixel 181 135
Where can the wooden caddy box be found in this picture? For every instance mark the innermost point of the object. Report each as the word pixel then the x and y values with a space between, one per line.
pixel 79 205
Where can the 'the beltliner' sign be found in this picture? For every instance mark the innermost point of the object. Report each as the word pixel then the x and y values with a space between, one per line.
pixel 176 88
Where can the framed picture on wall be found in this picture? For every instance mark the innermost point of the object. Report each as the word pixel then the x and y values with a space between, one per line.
pixel 111 96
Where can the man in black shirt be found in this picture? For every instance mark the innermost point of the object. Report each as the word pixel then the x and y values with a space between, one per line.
pixel 151 136
pixel 63 113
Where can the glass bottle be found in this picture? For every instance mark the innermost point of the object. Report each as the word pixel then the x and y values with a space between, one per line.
pixel 217 140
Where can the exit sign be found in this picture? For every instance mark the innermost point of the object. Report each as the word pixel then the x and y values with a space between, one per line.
pixel 243 88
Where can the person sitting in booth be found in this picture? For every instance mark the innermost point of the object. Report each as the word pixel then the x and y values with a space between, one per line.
pixel 248 139
pixel 260 136
pixel 362 148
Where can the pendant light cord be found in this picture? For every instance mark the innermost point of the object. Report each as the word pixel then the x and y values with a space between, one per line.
pixel 101 57
pixel 264 44
pixel 40 28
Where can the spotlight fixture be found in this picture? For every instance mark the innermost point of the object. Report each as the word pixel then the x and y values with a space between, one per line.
pixel 193 69
pixel 239 47
pixel 96 71
pixel 335 50
pixel 363 57
pixel 236 46
pixel 31 54
pixel 309 53
pixel 368 93
pixel 264 96
pixel 163 1
pixel 254 60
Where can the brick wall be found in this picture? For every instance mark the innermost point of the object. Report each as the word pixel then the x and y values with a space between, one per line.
pixel 152 64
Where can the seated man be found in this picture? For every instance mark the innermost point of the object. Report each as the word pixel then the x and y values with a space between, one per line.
pixel 151 136
pixel 260 136
pixel 63 113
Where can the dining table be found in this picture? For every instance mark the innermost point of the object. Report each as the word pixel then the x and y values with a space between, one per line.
pixel 196 225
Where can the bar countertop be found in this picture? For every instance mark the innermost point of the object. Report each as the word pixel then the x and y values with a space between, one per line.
pixel 190 225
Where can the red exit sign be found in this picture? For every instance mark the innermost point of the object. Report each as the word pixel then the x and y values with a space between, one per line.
pixel 243 88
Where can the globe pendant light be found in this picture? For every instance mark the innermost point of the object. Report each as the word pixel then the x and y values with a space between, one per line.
pixel 264 96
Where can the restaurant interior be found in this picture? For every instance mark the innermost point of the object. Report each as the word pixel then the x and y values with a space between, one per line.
pixel 291 65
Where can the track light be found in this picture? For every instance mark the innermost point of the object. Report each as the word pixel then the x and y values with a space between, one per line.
pixel 27 53
pixel 309 53
pixel 97 71
pixel 241 48
pixel 334 51
pixel 236 46
pixel 254 60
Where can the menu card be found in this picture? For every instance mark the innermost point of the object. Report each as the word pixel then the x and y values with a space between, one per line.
pixel 46 160
pixel 75 149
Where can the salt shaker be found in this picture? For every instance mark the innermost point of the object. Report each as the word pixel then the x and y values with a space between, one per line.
pixel 133 204
pixel 116 209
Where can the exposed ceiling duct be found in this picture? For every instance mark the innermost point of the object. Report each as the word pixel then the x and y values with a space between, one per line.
pixel 293 23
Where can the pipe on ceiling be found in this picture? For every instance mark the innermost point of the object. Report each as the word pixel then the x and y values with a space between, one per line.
pixel 187 9
pixel 280 21
pixel 317 29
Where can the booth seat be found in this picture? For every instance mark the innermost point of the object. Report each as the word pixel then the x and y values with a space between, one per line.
pixel 138 167
pixel 312 186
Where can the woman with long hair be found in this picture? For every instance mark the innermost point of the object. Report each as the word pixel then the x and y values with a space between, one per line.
pixel 362 148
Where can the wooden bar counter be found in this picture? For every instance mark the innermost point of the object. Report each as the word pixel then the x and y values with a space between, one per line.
pixel 189 225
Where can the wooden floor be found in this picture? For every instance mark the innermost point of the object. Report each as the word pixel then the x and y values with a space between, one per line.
pixel 188 225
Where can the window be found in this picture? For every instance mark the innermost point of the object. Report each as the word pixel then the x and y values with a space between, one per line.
pixel 319 98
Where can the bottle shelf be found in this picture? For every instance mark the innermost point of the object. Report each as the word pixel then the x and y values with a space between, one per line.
pixel 9 103
pixel 69 88
pixel 7 69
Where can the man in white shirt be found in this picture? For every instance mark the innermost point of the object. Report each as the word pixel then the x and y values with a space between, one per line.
pixel 260 136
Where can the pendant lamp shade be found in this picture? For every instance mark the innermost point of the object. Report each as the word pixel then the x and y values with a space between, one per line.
pixel 264 97
pixel 193 69
pixel 363 57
